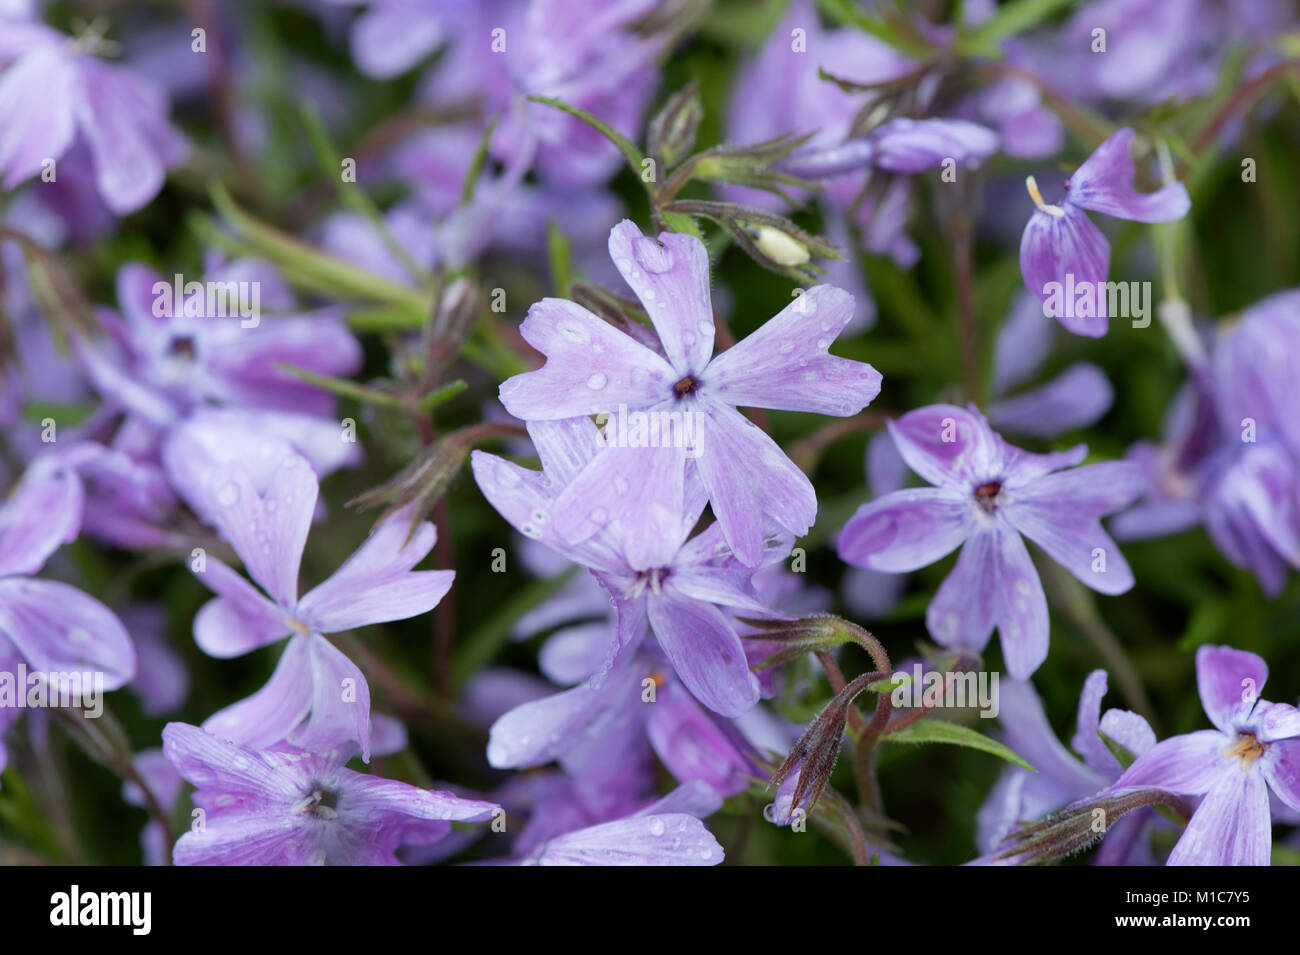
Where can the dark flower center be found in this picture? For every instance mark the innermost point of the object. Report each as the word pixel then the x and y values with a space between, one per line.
pixel 648 579
pixel 321 803
pixel 687 386
pixel 986 495
pixel 1247 748
pixel 181 346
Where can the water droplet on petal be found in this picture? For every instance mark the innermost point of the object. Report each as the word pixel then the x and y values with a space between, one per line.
pixel 228 494
pixel 597 381
pixel 656 826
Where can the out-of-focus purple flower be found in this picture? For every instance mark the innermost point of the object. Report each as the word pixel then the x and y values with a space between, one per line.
pixel 53 626
pixel 213 345
pixel 785 365
pixel 1254 748
pixel 56 92
pixel 301 808
pixel 1061 778
pixel 392 36
pixel 1231 448
pixel 263 506
pixel 660 581
pixel 1061 250
pixel 987 495
pixel 906 146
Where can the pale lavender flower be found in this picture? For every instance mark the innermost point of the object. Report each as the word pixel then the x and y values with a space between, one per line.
pixel 593 368
pixel 57 92
pixel 301 808
pixel 167 356
pixel 263 503
pixel 659 581
pixel 1253 750
pixel 1061 246
pixel 987 495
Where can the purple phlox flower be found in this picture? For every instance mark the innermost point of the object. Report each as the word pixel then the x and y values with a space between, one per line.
pixel 57 92
pixel 263 505
pixel 213 345
pixel 783 365
pixel 51 626
pixel 1064 258
pixel 1252 750
pixel 1075 398
pixel 165 784
pixel 1061 778
pixel 660 581
pixel 301 808
pixel 586 53
pixel 987 495
pixel 1232 447
pixel 667 831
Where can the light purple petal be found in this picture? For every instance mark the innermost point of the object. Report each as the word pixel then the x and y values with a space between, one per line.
pixel 907 530
pixel 670 839
pixel 670 275
pixel 1280 765
pixel 1189 764
pixel 1075 398
pixel 37 100
pixel 268 527
pixel 113 108
pixel 1104 183
pixel 749 477
pixel 340 703
pixel 274 711
pixel 591 367
pixel 240 619
pixel 947 445
pixel 43 513
pixel 1229 682
pixel 57 628
pixel 1062 252
pixel 634 493
pixel 786 365
pixel 1230 827
pixel 705 652
pixel 1022 607
pixel 1059 513
pixel 376 584
pixel 963 611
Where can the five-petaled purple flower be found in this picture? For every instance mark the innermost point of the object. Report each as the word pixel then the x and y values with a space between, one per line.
pixel 659 581
pixel 1254 748
pixel 593 368
pixel 987 495
pixel 263 505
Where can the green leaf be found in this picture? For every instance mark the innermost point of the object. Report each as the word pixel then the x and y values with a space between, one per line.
pixel 1011 19
pixel 625 145
pixel 441 394
pixel 341 386
pixel 941 731
pixel 680 222
pixel 559 254
pixel 1120 751
pixel 894 30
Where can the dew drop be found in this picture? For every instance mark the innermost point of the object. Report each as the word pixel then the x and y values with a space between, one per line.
pixel 228 494
pixel 656 826
pixel 597 381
